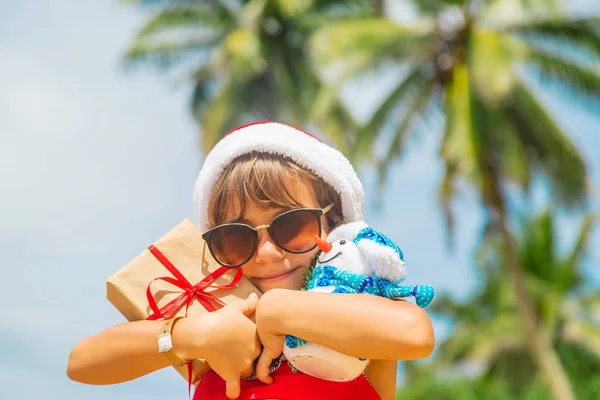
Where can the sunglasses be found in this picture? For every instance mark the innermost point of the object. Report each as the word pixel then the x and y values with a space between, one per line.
pixel 234 244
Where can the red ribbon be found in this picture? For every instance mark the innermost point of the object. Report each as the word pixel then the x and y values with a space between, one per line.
pixel 189 292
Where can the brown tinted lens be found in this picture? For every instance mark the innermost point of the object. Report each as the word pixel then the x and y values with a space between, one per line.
pixel 232 245
pixel 295 231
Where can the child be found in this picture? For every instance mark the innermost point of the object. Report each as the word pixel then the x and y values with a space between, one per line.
pixel 263 193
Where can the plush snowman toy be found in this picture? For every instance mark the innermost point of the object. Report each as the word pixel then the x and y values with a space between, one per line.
pixel 354 259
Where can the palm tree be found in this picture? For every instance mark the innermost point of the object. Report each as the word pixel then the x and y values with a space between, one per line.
pixel 488 333
pixel 467 59
pixel 246 59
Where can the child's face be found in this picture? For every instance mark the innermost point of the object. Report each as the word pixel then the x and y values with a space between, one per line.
pixel 272 267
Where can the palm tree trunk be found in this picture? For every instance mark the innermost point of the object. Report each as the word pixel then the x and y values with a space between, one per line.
pixel 542 349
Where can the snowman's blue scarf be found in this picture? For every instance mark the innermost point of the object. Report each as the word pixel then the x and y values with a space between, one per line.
pixel 347 282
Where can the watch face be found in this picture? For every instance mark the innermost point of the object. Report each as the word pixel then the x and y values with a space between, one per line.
pixel 164 343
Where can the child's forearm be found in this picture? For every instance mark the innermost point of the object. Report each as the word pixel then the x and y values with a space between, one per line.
pixel 122 353
pixel 118 354
pixel 359 325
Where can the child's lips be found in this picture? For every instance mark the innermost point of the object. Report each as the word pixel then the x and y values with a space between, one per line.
pixel 278 277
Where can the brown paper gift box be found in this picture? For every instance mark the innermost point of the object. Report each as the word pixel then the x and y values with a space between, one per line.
pixel 184 247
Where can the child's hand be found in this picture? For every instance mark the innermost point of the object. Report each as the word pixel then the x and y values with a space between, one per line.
pixel 227 339
pixel 272 348
pixel 272 341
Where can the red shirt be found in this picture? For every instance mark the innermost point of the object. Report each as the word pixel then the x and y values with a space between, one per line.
pixel 287 385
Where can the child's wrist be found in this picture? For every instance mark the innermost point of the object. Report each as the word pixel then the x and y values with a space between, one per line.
pixel 188 340
pixel 179 337
pixel 271 312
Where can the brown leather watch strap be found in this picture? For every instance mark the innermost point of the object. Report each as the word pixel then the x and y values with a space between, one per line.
pixel 165 343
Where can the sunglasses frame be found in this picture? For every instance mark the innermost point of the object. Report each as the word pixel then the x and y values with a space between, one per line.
pixel 317 212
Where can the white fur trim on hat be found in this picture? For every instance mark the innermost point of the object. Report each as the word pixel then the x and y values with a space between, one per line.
pixel 271 137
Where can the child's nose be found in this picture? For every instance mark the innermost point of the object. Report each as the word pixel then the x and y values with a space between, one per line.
pixel 267 250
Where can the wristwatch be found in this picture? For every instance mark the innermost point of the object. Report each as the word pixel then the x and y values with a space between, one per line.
pixel 165 343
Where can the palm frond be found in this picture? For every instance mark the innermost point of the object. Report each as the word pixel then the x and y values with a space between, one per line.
pixel 457 346
pixel 219 112
pixel 377 38
pixel 515 165
pixel 504 14
pixel 447 307
pixel 548 148
pixel 327 12
pixel 205 80
pixel 585 333
pixel 292 8
pixel 414 82
pixel 251 15
pixel 482 341
pixel 590 304
pixel 578 33
pixel 435 7
pixel 493 61
pixel 165 3
pixel 573 259
pixel 417 110
pixel 244 54
pixel 460 144
pixel 288 88
pixel 341 127
pixel 167 54
pixel 580 78
pixel 537 247
pixel 447 191
pixel 502 332
pixel 329 89
pixel 180 17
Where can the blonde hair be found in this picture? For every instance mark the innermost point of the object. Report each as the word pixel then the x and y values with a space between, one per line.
pixel 260 178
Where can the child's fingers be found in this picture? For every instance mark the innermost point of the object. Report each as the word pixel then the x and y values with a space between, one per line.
pixel 262 368
pixel 233 388
pixel 248 305
pixel 247 372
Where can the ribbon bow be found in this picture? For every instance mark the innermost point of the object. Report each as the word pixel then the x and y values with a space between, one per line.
pixel 189 291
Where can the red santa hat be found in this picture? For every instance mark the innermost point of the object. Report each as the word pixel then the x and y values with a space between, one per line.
pixel 303 148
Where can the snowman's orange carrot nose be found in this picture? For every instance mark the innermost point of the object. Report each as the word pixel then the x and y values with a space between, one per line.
pixel 323 244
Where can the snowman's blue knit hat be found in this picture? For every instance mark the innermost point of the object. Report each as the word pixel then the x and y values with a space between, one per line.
pixel 379 238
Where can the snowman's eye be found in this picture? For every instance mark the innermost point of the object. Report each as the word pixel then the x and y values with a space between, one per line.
pixel 342 241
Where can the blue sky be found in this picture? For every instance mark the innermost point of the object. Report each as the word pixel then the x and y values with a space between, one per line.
pixel 96 163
